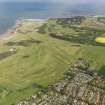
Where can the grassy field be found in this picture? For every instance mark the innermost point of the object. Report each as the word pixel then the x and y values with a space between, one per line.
pixel 41 59
pixel 38 62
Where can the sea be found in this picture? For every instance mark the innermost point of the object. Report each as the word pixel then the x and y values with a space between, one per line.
pixel 10 12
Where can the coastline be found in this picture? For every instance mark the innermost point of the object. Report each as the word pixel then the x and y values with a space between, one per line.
pixel 13 30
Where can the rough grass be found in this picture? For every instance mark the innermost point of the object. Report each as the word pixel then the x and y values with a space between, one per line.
pixel 95 55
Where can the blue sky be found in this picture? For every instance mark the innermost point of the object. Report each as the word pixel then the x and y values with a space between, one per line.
pixel 98 3
pixel 65 1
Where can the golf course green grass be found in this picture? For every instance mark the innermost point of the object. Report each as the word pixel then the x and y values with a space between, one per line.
pixel 34 64
pixel 41 59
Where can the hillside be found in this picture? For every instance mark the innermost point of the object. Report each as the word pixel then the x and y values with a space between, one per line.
pixel 38 55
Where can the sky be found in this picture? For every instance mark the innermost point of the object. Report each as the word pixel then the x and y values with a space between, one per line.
pixel 64 1
pixel 96 3
pixel 99 4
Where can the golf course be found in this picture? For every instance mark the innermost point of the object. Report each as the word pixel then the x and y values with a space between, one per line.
pixel 39 53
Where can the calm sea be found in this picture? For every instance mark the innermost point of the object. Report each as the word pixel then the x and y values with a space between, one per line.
pixel 10 12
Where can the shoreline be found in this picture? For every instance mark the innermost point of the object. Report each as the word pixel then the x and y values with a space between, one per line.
pixel 12 31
